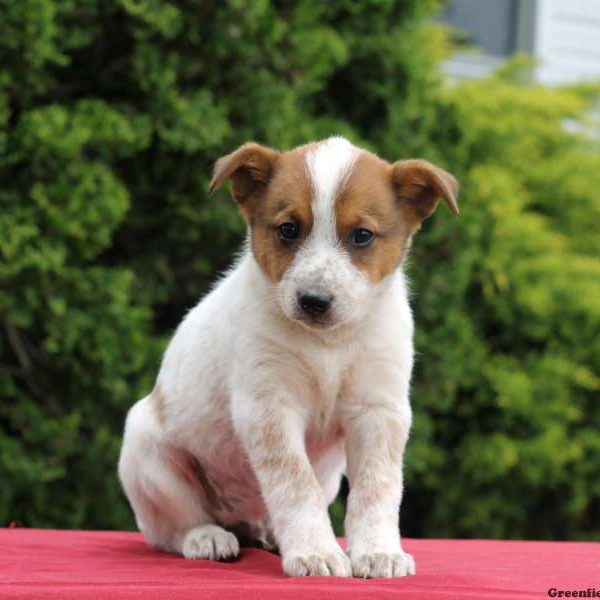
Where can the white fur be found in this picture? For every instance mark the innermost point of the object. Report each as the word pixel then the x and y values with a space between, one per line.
pixel 271 409
pixel 322 267
pixel 328 166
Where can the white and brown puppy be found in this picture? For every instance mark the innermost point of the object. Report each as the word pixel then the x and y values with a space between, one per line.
pixel 293 369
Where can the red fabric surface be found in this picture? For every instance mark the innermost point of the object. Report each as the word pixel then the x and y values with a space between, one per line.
pixel 49 565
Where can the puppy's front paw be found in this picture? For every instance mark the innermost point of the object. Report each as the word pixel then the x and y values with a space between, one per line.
pixel 382 564
pixel 331 563
pixel 211 542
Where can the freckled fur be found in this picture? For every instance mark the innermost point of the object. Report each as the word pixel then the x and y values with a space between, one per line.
pixel 257 412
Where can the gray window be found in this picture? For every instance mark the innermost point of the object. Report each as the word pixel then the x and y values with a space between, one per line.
pixel 489 24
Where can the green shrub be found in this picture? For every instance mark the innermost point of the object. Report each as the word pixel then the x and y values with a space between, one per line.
pixel 506 441
pixel 111 115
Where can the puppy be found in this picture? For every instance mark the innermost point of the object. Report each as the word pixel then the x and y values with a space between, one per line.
pixel 294 370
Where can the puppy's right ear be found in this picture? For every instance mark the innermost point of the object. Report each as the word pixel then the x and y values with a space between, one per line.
pixel 249 168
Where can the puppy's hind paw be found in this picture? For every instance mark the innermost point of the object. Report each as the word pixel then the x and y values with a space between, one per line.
pixel 210 542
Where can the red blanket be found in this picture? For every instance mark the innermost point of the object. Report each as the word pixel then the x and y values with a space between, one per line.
pixel 66 565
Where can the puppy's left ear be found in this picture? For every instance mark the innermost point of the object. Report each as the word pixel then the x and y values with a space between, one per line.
pixel 249 167
pixel 419 185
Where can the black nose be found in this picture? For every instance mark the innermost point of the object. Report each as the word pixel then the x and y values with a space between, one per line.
pixel 315 306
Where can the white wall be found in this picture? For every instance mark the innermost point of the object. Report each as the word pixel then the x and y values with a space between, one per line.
pixel 566 40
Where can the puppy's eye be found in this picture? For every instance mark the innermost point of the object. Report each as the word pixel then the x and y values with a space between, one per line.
pixel 361 237
pixel 288 232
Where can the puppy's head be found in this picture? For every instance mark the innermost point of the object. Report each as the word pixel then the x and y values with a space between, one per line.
pixel 329 222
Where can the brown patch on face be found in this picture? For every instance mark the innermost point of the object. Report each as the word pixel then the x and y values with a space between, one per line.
pixel 368 202
pixel 287 199
pixel 271 188
pixel 391 201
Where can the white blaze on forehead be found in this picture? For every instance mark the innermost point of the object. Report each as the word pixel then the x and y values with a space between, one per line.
pixel 321 265
pixel 328 165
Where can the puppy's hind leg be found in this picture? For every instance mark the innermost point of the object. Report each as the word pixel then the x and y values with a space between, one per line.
pixel 166 503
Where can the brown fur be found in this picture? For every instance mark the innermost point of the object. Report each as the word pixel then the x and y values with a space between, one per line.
pixel 368 201
pixel 391 201
pixel 379 455
pixel 272 441
pixel 214 497
pixel 287 199
pixel 249 168
pixel 419 186
pixel 157 400
pixel 192 471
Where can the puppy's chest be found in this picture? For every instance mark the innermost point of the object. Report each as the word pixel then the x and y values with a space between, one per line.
pixel 327 382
